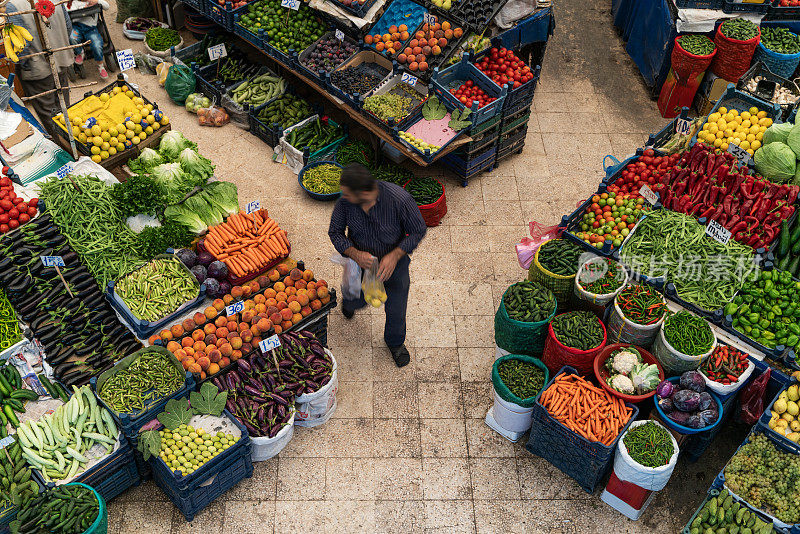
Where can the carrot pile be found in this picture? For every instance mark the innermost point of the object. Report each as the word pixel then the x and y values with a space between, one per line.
pixel 586 409
pixel 247 242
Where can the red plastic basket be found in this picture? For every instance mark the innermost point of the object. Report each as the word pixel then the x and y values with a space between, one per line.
pixel 685 63
pixel 435 212
pixel 733 57
pixel 239 281
pixel 557 355
pixel 601 373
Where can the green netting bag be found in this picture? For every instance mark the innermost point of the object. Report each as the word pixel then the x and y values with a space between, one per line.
pixel 519 337
pixel 504 392
pixel 180 83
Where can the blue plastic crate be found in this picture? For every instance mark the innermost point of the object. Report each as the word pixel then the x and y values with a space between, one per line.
pixel 713 493
pixel 783 13
pixel 130 424
pixel 453 77
pixel 763 423
pixel 190 502
pixel 696 444
pixel 732 6
pixel 733 99
pixel 398 12
pixel 522 94
pixel 781 64
pixel 585 461
pixel 255 39
pixel 223 15
pixel 142 328
pixel 475 130
pixel 719 481
pixel 657 140
pixel 465 166
pixel 464 177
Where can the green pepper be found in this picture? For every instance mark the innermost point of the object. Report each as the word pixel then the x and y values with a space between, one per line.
pixel 792 340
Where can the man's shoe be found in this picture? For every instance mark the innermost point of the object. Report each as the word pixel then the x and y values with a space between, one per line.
pixel 79 59
pixel 348 314
pixel 400 355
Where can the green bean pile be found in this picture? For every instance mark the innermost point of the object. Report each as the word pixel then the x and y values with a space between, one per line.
pixel 780 40
pixel 93 225
pixel 149 378
pixel 687 333
pixel 523 379
pixel 673 245
pixel 580 330
pixel 323 179
pixel 355 151
pixel 9 324
pixel 739 29
pixel 699 45
pixel 157 289
pixel 425 190
pixel 649 444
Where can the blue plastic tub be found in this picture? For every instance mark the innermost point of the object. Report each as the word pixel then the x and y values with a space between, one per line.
pixel 131 423
pixel 397 13
pixel 781 64
pixel 585 461
pixel 685 429
pixel 312 194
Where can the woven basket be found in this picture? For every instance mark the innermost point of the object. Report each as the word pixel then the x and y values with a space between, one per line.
pixel 557 355
pixel 504 392
pixel 733 57
pixel 560 285
pixel 779 64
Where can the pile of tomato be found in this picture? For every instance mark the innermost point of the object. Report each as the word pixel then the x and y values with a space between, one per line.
pixel 504 67
pixel 469 93
pixel 610 216
pixel 14 211
pixel 645 171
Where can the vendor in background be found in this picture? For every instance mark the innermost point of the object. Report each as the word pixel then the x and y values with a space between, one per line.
pixel 84 28
pixel 376 221
pixel 34 73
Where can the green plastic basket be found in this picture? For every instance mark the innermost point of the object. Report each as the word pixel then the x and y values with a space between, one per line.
pixel 100 525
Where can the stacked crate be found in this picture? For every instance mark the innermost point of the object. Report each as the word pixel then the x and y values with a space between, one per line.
pixel 514 119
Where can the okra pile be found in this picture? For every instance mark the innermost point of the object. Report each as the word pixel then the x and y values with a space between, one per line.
pixel 149 378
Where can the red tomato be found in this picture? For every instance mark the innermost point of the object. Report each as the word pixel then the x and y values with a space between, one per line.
pixel 23 218
pixel 33 202
pixel 16 200
pixel 31 212
pixel 6 204
pixel 4 218
pixel 13 213
pixel 4 228
pixel 13 223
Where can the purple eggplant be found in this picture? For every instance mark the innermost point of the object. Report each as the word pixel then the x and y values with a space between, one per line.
pixel 230 404
pixel 250 390
pixel 282 411
pixel 277 398
pixel 250 428
pixel 244 365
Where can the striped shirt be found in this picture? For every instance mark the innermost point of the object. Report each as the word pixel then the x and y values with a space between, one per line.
pixel 394 221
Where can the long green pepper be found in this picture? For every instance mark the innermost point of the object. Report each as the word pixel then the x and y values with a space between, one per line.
pixel 149 378
pixel 157 289
pixel 649 444
pixel 523 379
pixel 688 333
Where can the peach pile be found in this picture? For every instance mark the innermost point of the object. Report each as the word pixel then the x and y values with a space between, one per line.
pixel 429 41
pixel 209 341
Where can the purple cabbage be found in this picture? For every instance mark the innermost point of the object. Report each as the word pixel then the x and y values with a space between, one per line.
pixel 666 405
pixel 693 380
pixel 187 257
pixel 218 270
pixel 686 400
pixel 213 288
pixel 708 417
pixel 694 421
pixel 225 287
pixel 706 401
pixel 679 417
pixel 205 258
pixel 665 389
pixel 199 272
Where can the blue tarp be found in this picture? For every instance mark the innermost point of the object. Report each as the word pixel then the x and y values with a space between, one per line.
pixel 536 28
pixel 650 35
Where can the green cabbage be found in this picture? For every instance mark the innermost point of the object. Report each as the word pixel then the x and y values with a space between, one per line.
pixel 796 179
pixel 172 143
pixel 776 162
pixel 793 140
pixel 777 132
pixel 196 165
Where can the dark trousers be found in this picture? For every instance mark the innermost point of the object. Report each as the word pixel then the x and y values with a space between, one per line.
pixel 46 107
pixel 394 331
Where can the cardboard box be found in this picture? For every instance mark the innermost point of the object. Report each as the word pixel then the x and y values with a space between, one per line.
pixel 709 92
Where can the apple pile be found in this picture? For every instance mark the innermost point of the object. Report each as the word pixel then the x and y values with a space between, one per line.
pixel 209 341
pixel 14 211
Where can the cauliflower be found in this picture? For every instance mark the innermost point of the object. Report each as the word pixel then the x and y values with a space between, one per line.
pixel 623 362
pixel 621 383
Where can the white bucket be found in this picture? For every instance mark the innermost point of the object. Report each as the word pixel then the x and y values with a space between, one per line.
pixel 512 417
pixel 265 448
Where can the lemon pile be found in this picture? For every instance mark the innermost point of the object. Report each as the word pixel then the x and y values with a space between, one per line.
pixel 418 143
pixel 107 139
pixel 745 129
pixel 785 412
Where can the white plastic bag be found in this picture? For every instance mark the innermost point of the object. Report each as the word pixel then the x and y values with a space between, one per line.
pixel 351 277
pixel 265 448
pixel 314 409
pixel 513 11
pixel 650 478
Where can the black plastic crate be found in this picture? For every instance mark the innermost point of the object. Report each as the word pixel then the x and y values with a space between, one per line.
pixel 513 135
pixel 479 143
pixel 509 150
pixel 519 120
pixel 477 14
pixel 731 6
pixel 784 12
pixel 700 4
pixel 359 10
pixel 759 69
pixel 466 165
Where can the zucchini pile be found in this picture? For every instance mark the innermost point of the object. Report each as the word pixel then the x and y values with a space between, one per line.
pixel 787 253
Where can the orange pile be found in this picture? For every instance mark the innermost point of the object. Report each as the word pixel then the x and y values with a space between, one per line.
pixel 586 409
pixel 247 242
pixel 429 41
pixel 211 340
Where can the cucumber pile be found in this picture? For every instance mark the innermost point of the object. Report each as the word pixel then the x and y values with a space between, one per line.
pixel 16 485
pixel 787 253
pixel 723 514
pixel 12 398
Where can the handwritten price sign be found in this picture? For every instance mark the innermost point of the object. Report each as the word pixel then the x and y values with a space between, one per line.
pixel 648 194
pixel 408 79
pixel 217 51
pixel 253 206
pixel 271 343
pixel 683 126
pixel 740 153
pixel 291 4
pixel 717 232
pixel 52 261
pixel 125 59
pixel 234 308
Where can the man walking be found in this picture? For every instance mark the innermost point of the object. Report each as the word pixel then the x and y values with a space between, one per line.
pixel 376 221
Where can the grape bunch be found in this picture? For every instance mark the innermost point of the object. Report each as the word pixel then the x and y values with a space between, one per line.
pixel 186 448
pixel 767 478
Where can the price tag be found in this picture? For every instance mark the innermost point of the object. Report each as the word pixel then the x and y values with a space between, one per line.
pixel 253 206
pixel 717 232
pixel 52 261
pixel 217 51
pixel 63 171
pixel 6 441
pixel 409 79
pixel 740 153
pixel 125 59
pixel 291 4
pixel 271 343
pixel 234 308
pixel 683 126
pixel 648 194
pixel 428 18
pixel 340 35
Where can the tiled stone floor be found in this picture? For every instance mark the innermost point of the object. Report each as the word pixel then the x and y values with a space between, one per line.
pixel 407 450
